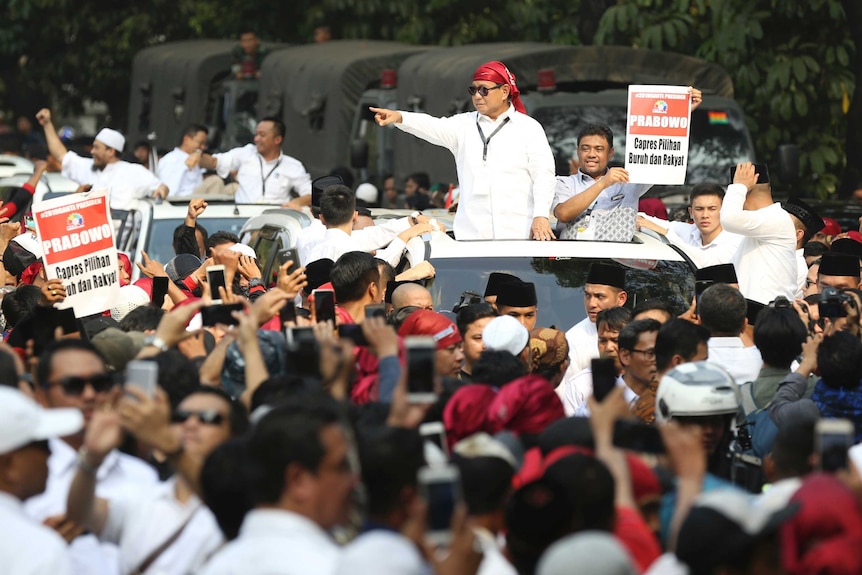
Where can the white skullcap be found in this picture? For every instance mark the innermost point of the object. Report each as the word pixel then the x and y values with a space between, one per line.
pixel 244 250
pixel 131 297
pixel 505 333
pixel 367 193
pixel 111 138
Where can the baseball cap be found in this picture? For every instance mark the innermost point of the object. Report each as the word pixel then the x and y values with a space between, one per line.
pixel 182 266
pixel 505 333
pixel 23 421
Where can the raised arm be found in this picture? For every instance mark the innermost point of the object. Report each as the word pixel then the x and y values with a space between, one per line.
pixel 55 145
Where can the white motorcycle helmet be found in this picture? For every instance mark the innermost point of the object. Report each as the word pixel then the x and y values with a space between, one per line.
pixel 696 389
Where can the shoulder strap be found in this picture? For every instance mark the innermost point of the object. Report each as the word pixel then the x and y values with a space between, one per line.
pixel 157 552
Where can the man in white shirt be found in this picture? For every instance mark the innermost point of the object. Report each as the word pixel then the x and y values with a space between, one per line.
pixel 26 546
pixel 766 259
pixel 504 162
pixel 704 241
pixel 518 299
pixel 72 374
pixel 637 357
pixel 806 222
pixel 125 182
pixel 179 168
pixel 264 174
pixel 307 473
pixel 722 310
pixel 604 289
pixel 163 528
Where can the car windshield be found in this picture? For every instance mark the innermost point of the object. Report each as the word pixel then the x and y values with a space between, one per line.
pixel 559 283
pixel 160 240
pixel 718 137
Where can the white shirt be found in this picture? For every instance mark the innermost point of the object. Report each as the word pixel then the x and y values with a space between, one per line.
pixel 335 243
pixel 117 472
pixel 381 552
pixel 124 181
pixel 280 175
pixel 174 172
pixel 766 259
pixel 574 393
pixel 801 272
pixel 493 560
pixel 743 363
pixel 274 541
pixel 365 240
pixel 583 341
pixel 611 217
pixel 27 547
pixel 501 194
pixel 688 238
pixel 145 516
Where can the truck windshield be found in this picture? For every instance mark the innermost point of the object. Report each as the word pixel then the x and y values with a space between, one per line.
pixel 559 283
pixel 160 239
pixel 718 137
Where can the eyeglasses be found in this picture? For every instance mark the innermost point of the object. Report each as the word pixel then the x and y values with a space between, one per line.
pixel 206 416
pixel 483 91
pixel 74 385
pixel 648 353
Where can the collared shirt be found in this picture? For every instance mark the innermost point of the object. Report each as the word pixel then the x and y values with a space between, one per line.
pixel 26 546
pixel 583 340
pixel 382 237
pixel 116 473
pixel 575 392
pixel 514 183
pixel 766 260
pixel 743 363
pixel 276 541
pixel 278 176
pixel 611 217
pixel 688 238
pixel 142 518
pixel 125 182
pixel 383 553
pixel 174 172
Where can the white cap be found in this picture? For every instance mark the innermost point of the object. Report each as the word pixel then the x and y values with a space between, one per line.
pixel 22 420
pixel 111 138
pixel 367 193
pixel 29 243
pixel 243 249
pixel 483 445
pixel 131 297
pixel 505 333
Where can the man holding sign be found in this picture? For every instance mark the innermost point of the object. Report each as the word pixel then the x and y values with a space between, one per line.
pixel 600 203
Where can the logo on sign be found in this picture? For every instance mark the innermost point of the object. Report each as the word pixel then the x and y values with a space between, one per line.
pixel 74 221
pixel 660 107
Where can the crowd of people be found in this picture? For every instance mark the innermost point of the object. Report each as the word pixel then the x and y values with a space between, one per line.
pixel 335 419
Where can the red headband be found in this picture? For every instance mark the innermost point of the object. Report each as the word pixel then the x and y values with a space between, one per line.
pixel 498 73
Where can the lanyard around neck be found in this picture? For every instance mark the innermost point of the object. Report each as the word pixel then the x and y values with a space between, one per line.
pixel 487 140
pixel 264 179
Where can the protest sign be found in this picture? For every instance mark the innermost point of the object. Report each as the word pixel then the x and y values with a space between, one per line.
pixel 657 131
pixel 78 248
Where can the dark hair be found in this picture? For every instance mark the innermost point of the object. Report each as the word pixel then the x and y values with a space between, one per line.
pixel 279 388
pixel 390 458
pixel 706 189
pixel 337 205
pixel 44 368
pixel 178 376
pixel 219 238
pixel 497 368
pixel 225 485
pixel 814 249
pixel 289 434
pixel 8 371
pixel 277 125
pixel 423 182
pixel 652 304
pixel 486 483
pixel 387 272
pixel 839 358
pixel 192 130
pixel 400 315
pixel 591 486
pixel 352 274
pixel 238 416
pixel 616 318
pixel 18 303
pixel 792 449
pixel 180 230
pixel 722 309
pixel 779 335
pixel 597 129
pixel 472 313
pixel 138 144
pixel 678 337
pixel 630 334
pixel 142 318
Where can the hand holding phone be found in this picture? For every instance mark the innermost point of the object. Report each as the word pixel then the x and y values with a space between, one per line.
pixel 160 290
pixel 421 372
pixel 220 314
pixel 440 487
pixel 144 375
pixel 324 305
pixel 604 377
pixel 216 279
pixel 833 438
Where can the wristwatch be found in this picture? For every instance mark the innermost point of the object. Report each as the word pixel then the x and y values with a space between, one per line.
pixel 156 342
pixel 254 282
pixel 414 217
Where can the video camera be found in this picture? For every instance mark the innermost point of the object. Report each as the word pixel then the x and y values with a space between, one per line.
pixel 831 303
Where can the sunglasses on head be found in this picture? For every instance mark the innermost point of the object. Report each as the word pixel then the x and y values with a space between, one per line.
pixel 206 416
pixel 75 385
pixel 483 91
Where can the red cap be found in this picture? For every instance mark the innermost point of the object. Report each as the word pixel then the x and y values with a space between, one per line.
pixel 830 227
pixel 525 406
pixel 430 323
pixel 855 236
pixel 466 412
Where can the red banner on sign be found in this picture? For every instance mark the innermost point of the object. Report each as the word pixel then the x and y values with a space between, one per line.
pixel 658 114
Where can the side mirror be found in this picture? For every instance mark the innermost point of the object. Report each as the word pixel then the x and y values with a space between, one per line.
pixel 788 163
pixel 359 154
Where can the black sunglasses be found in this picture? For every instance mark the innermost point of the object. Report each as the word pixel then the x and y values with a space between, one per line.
pixel 74 385
pixel 206 416
pixel 483 91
